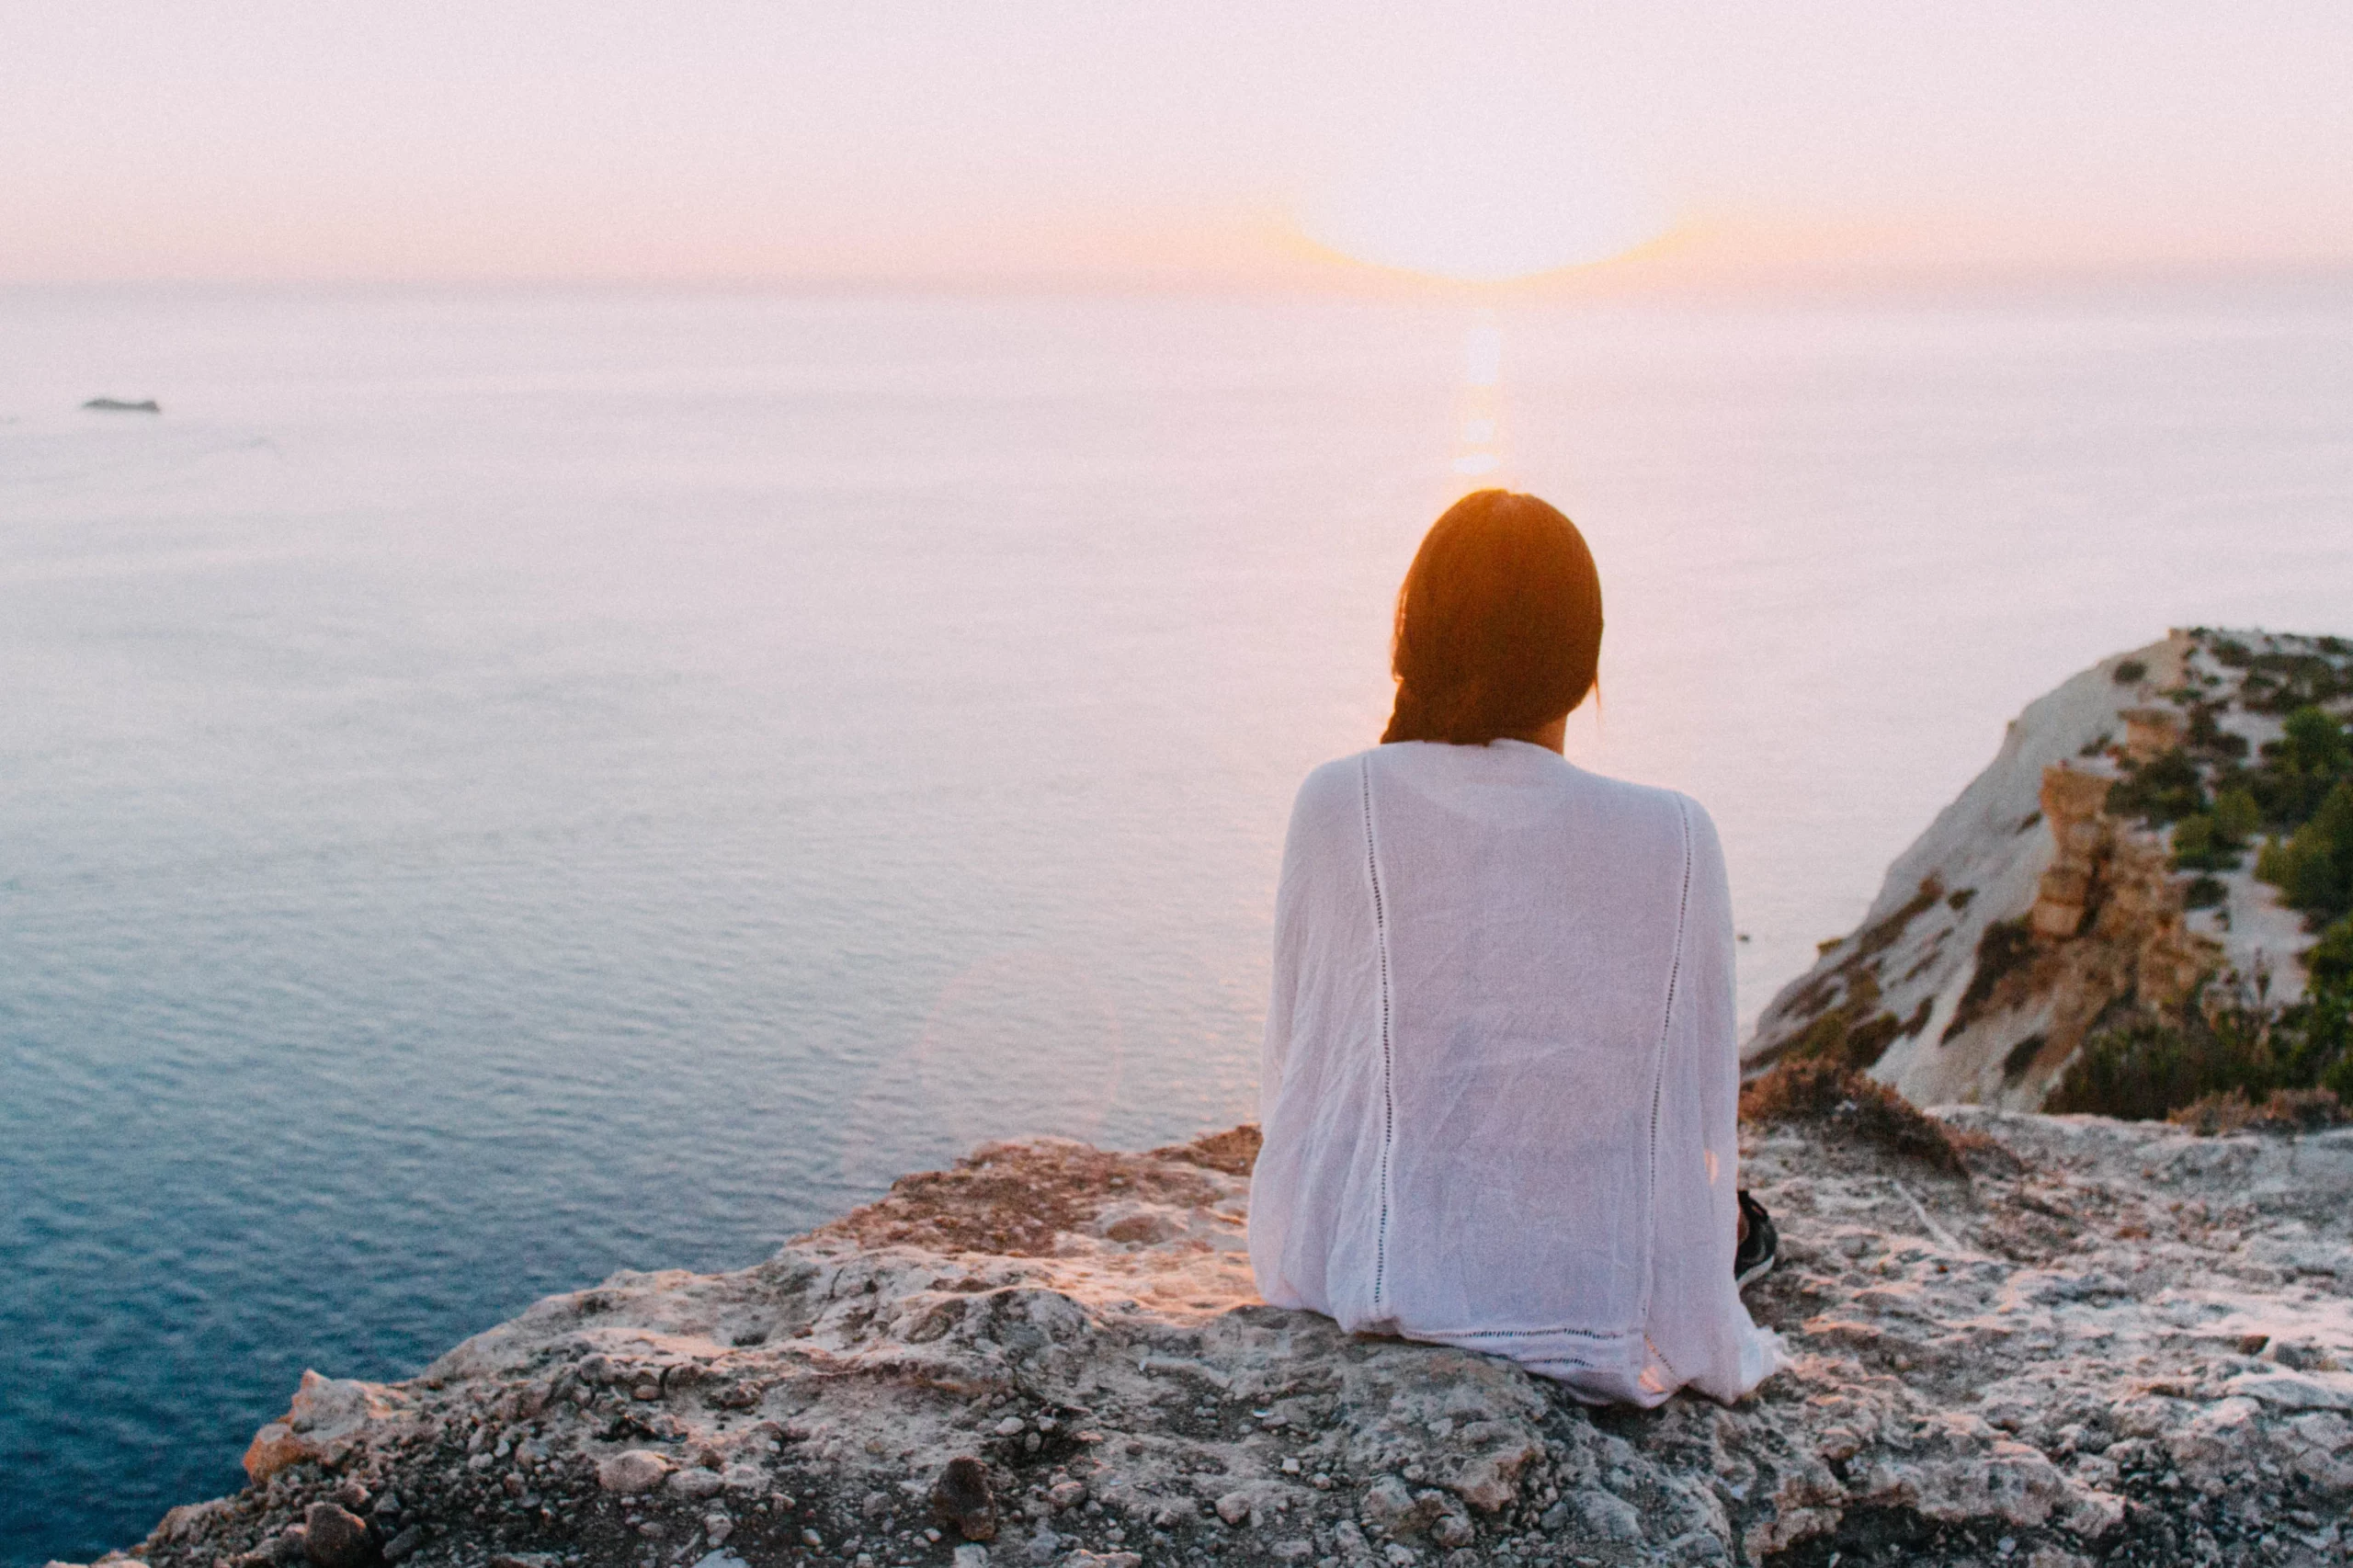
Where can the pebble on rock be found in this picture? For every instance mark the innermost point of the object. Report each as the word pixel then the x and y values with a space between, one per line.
pixel 960 1497
pixel 631 1472
pixel 335 1537
pixel 697 1483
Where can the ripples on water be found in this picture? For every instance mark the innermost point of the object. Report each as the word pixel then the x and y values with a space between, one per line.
pixel 505 787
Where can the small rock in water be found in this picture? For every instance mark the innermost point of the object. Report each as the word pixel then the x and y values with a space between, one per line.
pixel 960 1497
pixel 335 1537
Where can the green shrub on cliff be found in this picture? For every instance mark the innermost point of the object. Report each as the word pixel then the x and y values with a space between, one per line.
pixel 2313 869
pixel 2164 788
pixel 2147 1069
pixel 2330 963
pixel 2299 770
pixel 2216 840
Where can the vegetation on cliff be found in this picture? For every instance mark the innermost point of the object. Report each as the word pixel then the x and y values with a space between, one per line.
pixel 2143 903
pixel 2232 1041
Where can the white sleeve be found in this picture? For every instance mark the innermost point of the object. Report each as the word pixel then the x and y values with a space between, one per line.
pixel 1283 993
pixel 1700 1326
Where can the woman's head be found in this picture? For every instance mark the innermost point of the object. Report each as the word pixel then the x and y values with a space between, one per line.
pixel 1498 624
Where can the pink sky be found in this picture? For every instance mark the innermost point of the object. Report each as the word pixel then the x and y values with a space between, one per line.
pixel 730 141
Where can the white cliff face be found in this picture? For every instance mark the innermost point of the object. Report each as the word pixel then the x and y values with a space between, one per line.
pixel 2091 1341
pixel 2028 909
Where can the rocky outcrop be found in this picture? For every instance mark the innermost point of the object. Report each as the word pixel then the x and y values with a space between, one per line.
pixel 2061 1341
pixel 2032 907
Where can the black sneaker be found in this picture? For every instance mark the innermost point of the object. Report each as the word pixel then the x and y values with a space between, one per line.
pixel 1759 1249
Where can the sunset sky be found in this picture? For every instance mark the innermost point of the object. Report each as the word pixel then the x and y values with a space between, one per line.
pixel 1202 142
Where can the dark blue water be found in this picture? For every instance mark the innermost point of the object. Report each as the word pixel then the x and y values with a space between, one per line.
pixel 496 788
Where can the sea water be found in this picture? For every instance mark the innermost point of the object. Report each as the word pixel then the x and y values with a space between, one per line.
pixel 501 787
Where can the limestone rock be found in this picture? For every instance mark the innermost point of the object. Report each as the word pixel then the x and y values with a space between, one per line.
pixel 2100 1341
pixel 328 1418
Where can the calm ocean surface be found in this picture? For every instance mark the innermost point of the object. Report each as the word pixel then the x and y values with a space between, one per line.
pixel 497 788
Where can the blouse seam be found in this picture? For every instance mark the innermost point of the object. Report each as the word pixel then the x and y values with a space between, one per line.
pixel 1388 1094
pixel 1658 1069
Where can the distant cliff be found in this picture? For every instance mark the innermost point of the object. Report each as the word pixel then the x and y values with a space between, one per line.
pixel 2099 874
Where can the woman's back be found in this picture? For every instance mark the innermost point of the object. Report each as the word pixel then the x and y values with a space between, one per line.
pixel 1500 1075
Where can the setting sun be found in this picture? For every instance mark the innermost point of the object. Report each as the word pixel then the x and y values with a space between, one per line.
pixel 1482 193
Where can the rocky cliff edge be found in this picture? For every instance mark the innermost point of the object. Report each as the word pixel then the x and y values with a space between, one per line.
pixel 2016 1339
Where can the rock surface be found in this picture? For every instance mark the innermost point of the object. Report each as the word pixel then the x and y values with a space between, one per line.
pixel 2028 909
pixel 2083 1341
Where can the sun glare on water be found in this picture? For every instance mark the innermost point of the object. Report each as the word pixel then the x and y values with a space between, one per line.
pixel 1482 191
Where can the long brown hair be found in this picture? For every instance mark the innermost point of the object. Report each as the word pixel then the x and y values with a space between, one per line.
pixel 1499 623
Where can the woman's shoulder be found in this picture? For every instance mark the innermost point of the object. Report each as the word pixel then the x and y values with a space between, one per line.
pixel 1337 788
pixel 1331 792
pixel 1647 799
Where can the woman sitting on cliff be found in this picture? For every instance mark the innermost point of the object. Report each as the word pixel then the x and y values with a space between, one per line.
pixel 1500 1080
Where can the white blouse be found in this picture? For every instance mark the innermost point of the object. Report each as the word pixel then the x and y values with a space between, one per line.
pixel 1501 1075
